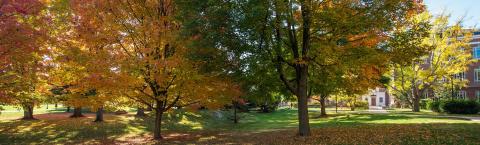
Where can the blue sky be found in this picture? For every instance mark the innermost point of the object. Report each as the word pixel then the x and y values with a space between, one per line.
pixel 457 8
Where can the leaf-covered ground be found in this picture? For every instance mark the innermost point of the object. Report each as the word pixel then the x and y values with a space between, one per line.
pixel 255 128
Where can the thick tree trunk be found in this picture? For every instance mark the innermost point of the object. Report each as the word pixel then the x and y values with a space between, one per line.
pixel 56 105
pixel 303 126
pixel 140 112
pixel 99 116
pixel 28 112
pixel 68 109
pixel 157 132
pixel 323 112
pixel 416 103
pixel 77 112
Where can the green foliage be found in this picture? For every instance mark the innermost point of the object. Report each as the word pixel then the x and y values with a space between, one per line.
pixel 443 51
pixel 361 104
pixel 461 106
pixel 423 103
pixel 434 105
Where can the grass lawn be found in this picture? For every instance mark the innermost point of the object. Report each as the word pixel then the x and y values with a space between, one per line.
pixel 11 112
pixel 207 127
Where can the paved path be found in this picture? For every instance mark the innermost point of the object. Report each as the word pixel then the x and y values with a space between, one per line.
pixel 471 118
pixel 383 111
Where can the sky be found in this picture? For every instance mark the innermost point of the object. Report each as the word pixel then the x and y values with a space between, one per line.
pixel 457 8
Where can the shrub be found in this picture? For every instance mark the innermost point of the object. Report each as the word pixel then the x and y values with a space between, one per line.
pixel 361 104
pixel 423 103
pixel 460 107
pixel 269 107
pixel 434 105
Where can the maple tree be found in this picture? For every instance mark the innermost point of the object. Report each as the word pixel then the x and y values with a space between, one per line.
pixel 21 54
pixel 150 62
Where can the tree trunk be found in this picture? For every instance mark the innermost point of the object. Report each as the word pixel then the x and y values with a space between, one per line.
pixel 323 112
pixel 28 112
pixel 303 126
pixel 336 104
pixel 157 132
pixel 77 112
pixel 416 103
pixel 56 105
pixel 352 106
pixel 99 116
pixel 415 100
pixel 140 112
pixel 235 118
pixel 68 109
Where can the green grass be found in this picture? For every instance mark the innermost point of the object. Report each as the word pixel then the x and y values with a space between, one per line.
pixel 206 127
pixel 13 112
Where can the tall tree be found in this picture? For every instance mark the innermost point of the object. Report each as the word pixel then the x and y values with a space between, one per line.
pixel 151 63
pixel 21 54
pixel 292 34
pixel 442 51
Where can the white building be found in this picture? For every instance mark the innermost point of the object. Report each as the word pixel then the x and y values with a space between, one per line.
pixel 378 98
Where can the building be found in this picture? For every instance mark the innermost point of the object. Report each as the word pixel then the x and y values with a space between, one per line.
pixel 472 90
pixel 378 98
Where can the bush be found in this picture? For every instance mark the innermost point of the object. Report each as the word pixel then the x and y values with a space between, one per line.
pixel 423 103
pixel 361 104
pixel 434 105
pixel 460 107
pixel 269 107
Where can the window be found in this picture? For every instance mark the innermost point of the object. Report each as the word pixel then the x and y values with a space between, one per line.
pixel 477 75
pixel 461 94
pixel 380 100
pixel 460 76
pixel 476 52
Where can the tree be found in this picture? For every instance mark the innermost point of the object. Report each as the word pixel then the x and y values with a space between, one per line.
pixel 444 52
pixel 151 63
pixel 21 54
pixel 291 34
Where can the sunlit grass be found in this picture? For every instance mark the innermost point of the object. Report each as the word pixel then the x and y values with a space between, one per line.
pixel 209 127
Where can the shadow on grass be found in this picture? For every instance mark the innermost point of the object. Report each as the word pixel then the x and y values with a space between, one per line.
pixel 362 133
pixel 206 127
pixel 63 131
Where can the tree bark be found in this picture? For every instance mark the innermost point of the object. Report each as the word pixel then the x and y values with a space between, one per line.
pixel 77 112
pixel 352 106
pixel 235 118
pixel 336 104
pixel 140 112
pixel 323 112
pixel 415 99
pixel 68 109
pixel 157 133
pixel 304 126
pixel 28 112
pixel 416 103
pixel 99 115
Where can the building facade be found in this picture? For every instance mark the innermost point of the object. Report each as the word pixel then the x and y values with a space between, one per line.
pixel 378 98
pixel 472 90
